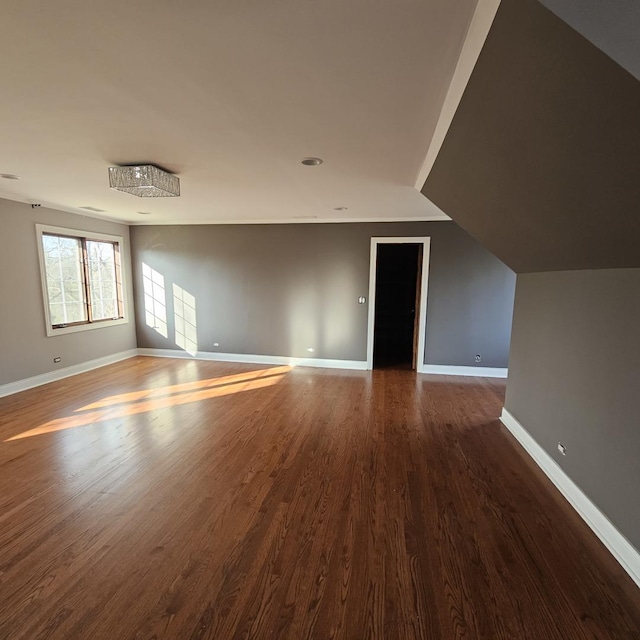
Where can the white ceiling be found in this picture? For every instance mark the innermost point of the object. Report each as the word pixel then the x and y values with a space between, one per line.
pixel 230 95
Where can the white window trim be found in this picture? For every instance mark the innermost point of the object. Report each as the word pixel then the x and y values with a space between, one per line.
pixel 42 229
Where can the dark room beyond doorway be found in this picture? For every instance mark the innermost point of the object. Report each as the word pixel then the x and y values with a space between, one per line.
pixel 396 308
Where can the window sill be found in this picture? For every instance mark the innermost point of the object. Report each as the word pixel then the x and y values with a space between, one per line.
pixel 85 327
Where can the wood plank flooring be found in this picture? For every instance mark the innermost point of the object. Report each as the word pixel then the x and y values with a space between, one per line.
pixel 195 500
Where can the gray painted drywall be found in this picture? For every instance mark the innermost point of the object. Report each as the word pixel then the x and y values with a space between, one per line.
pixel 541 161
pixel 574 377
pixel 612 25
pixel 279 289
pixel 25 349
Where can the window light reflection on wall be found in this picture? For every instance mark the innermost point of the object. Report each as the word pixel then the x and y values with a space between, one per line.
pixel 184 311
pixel 155 304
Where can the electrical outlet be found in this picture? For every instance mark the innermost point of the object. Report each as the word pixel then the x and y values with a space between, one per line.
pixel 216 344
pixel 478 357
pixel 562 449
pixel 362 300
pixel 57 360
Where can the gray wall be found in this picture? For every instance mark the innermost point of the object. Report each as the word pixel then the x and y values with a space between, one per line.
pixel 278 289
pixel 574 377
pixel 25 349
pixel 612 25
pixel 541 166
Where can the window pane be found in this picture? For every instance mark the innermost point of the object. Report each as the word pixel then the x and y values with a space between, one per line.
pixel 102 279
pixel 64 274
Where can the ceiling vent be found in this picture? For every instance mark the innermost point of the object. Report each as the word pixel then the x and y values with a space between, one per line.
pixel 94 209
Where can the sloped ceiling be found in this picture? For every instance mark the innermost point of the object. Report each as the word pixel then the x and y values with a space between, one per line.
pixel 542 160
pixel 612 25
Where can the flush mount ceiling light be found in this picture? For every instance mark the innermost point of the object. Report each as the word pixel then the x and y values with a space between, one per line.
pixel 312 162
pixel 9 176
pixel 144 181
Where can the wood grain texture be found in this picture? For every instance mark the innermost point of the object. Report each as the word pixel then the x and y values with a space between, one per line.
pixel 185 499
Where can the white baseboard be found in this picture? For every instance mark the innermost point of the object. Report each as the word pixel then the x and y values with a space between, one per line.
pixel 478 372
pixel 65 372
pixel 360 365
pixel 622 550
pixel 256 359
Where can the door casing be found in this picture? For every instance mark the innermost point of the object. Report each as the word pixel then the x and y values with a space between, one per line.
pixel 424 286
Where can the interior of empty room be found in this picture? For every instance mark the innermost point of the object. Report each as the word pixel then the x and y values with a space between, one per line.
pixel 320 320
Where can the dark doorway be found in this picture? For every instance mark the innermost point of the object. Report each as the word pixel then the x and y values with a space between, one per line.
pixel 397 299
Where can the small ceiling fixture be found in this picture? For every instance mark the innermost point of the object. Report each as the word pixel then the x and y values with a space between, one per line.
pixel 9 176
pixel 312 162
pixel 144 181
pixel 340 208
pixel 144 213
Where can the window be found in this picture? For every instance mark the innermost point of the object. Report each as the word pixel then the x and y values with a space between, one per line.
pixel 81 279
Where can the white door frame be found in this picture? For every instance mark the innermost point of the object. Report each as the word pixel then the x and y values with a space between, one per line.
pixel 422 319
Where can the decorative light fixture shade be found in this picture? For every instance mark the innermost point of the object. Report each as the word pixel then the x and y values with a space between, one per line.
pixel 144 181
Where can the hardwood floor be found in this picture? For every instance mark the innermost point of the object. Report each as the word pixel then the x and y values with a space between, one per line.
pixel 190 500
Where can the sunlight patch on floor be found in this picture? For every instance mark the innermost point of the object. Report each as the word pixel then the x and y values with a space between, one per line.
pixel 117 407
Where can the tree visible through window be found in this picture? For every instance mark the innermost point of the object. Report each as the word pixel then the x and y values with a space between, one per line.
pixel 83 279
pixel 103 280
pixel 65 281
